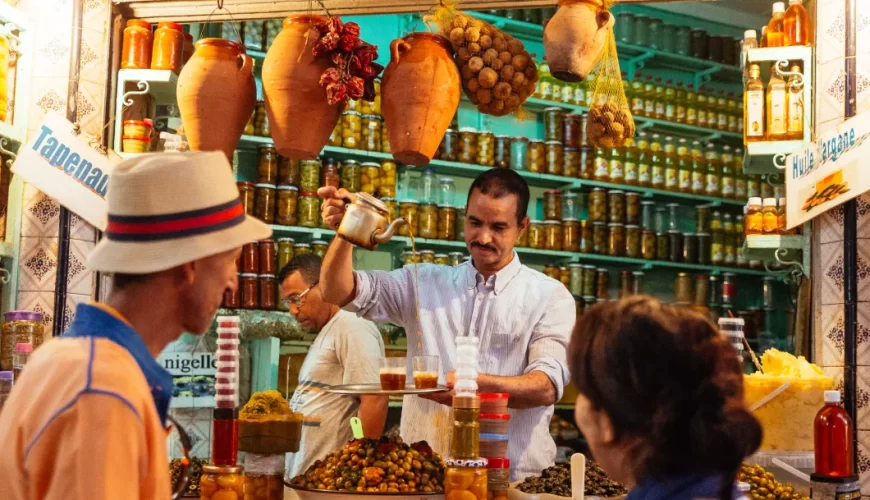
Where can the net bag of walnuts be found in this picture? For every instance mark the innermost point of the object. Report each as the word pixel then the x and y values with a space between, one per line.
pixel 610 122
pixel 497 72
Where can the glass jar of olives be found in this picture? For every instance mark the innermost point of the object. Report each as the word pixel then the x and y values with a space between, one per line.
pixel 467 145
pixel 663 248
pixel 285 252
pixel 351 129
pixel 449 149
pixel 602 284
pixel 351 176
pixel 553 235
pixel 616 240
pixel 632 241
pixel 571 129
pixel 616 205
pixel 555 158
pixel 537 156
pixel 648 244
pixel 408 210
pixel 554 125
pixel 585 236
pixel 308 210
pixel 372 126
pixel 598 205
pixel 632 208
pixel 571 162
pixel 575 286
pixel 264 203
pixel 536 235
pixel 428 225
pixel 485 149
pixel 285 214
pixel 267 165
pixel 309 177
pixel 288 171
pixel 370 173
pixel 570 235
pixel 455 258
pixel 599 238
pixel 587 163
pixel 589 277
pixel 442 259
pixel 502 151
pixel 553 204
pixel 446 222
pixel 247 193
pixel 301 249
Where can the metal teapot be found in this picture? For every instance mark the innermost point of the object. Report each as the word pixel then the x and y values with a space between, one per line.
pixel 365 222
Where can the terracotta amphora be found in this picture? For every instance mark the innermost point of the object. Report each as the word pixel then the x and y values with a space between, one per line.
pixel 575 37
pixel 419 95
pixel 300 117
pixel 216 95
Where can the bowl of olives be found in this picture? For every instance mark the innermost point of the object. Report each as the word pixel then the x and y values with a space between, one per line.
pixel 554 483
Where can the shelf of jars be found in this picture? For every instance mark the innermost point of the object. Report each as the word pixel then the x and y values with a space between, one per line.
pixel 159 85
pixel 793 69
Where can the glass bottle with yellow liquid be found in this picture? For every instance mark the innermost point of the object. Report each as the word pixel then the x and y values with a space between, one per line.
pixel 680 103
pixel 691 105
pixel 753 106
pixel 739 176
pixel 660 100
pixel 776 28
pixel 630 163
pixel 657 162
pixel 672 169
pixel 732 115
pixel 796 24
pixel 699 169
pixel 556 89
pixel 777 108
pixel 702 107
pixel 712 184
pixel 763 42
pixel 637 100
pixel 670 101
pixel 644 160
pixel 730 240
pixel 544 89
pixel 617 168
pixel 684 166
pixel 717 247
pixel 721 111
pixel 728 175
pixel 795 123
pixel 649 97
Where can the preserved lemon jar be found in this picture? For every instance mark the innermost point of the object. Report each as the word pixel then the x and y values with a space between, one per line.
pixel 599 238
pixel 372 107
pixel 632 241
pixel 264 203
pixel 392 209
pixel 372 128
pixel 267 165
pixel 502 151
pixel 408 210
pixel 409 257
pixel 449 148
pixel 351 129
pixel 288 171
pixel 247 195
pixel 221 481
pixel 536 235
pixel 137 45
pixel 168 48
pixel 351 176
pixel 553 235
pixel 309 176
pixel 467 145
pixel 427 256
pixel 428 225
pixel 370 177
pixel 308 210
pixel 387 186
pixel 466 479
pixel 537 156
pixel 553 204
pixel 446 222
pixel 555 158
pixel 616 240
pixel 442 259
pixel 486 149
pixel 264 486
pixel 335 136
pixel 598 205
pixel 571 235
pixel 287 200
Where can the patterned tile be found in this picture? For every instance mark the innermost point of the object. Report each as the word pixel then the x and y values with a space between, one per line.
pixel 40 214
pixel 72 302
pixel 863 464
pixel 91 105
pixel 831 82
pixel 836 373
pixel 38 264
pixel 863 271
pixel 79 279
pixel 41 302
pixel 830 225
pixel 831 255
pixel 833 330
pixel 863 397
pixel 863 352
pixel 93 54
pixel 81 230
pixel 830 22
pixel 95 14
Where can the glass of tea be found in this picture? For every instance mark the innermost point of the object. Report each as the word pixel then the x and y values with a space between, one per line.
pixel 425 372
pixel 394 371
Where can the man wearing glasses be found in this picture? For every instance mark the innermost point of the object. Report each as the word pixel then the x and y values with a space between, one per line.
pixel 347 351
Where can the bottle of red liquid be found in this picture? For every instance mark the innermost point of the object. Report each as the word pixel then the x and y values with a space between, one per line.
pixel 832 431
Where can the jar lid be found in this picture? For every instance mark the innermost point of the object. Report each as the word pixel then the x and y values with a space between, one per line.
pixel 222 469
pixel 371 164
pixel 602 270
pixel 570 149
pixel 553 143
pixel 268 145
pixel 625 272
pixel 616 191
pixel 731 321
pixel 704 234
pixel 23 316
pixel 318 242
pixel 267 276
pixel 632 226
pixel 632 193
pixel 349 162
pixel 468 129
pixel 575 264
pixel 589 298
pixel 493 396
pixel 137 122
pixel 302 245
pixel 553 191
pixel 387 198
pixel 170 25
pixel 535 141
pixel 617 224
pixel 519 138
pixel 267 241
pixel 370 116
pixel 247 275
pixel 245 183
pixel 287 187
pixel 672 231
pixel 688 235
pixel 589 266
pixel 547 110
pixel 493 437
pixel 445 180
pixel 427 252
pixel 495 416
pixel 552 222
pixel 456 254
pixel 353 113
pixel 440 255
pixel 445 205
pixel 466 462
pixel 570 220
pixel 411 202
pixel 498 463
pixel 266 186
pixel 535 221
pixel 502 136
pixel 647 202
pixel 136 138
pixel 285 240
pixel 599 223
pixel 637 273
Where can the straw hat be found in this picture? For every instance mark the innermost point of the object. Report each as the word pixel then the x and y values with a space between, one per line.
pixel 167 209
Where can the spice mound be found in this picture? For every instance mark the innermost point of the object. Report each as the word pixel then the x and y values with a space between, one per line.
pixel 268 426
pixel 385 465
pixel 556 480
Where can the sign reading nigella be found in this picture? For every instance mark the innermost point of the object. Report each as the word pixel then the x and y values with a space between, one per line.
pixel 62 164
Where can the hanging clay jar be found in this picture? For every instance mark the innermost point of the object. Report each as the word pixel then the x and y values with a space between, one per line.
pixel 300 117
pixel 419 95
pixel 216 95
pixel 575 37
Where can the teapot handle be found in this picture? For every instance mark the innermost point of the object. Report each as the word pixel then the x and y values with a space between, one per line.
pixel 398 46
pixel 350 198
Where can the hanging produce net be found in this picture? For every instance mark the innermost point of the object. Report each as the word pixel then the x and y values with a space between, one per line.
pixel 497 72
pixel 610 122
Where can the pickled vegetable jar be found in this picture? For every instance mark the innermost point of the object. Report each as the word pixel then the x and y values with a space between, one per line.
pixel 329 174
pixel 247 195
pixel 598 205
pixel 555 158
pixel 449 149
pixel 288 171
pixel 446 222
pixel 632 241
pixel 301 249
pixel 536 234
pixel 552 235
pixel 264 486
pixel 137 45
pixel 285 213
pixel 309 176
pixel 519 153
pixel 571 130
pixel 465 479
pixel 221 482
pixel 616 206
pixel 616 240
pixel 351 129
pixel 168 48
pixel 285 252
pixel 570 235
pixel 602 284
pixel 486 149
pixel 372 107
pixel 392 209
pixel 308 210
pixel 467 145
pixel 427 256
pixel 372 127
pixel 553 204
pixel 19 327
pixel 648 244
pixel 351 176
pixel 554 125
pixel 442 259
pixel 502 151
pixel 264 203
pixel 571 162
pixel 632 208
pixel 599 238
pixel 370 177
pixel 408 210
pixel 387 186
pixel 537 156
pixel 248 291
pixel 335 136
pixel 585 236
pixel 428 225
pixel 267 165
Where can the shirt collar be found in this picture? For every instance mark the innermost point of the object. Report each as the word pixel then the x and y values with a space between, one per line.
pixel 102 321
pixel 502 277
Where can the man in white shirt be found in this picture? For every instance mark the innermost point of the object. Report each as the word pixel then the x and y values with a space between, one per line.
pixel 347 350
pixel 523 318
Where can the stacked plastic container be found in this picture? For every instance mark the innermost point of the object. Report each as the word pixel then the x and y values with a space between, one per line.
pixel 226 413
pixel 732 328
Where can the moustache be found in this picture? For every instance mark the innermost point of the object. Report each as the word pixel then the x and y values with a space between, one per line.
pixel 481 245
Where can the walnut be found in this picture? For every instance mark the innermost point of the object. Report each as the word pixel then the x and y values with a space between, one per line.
pixel 472 34
pixel 475 64
pixel 484 96
pixel 487 78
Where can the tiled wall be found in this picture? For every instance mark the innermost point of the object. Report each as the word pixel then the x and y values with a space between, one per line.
pixel 49 89
pixel 829 328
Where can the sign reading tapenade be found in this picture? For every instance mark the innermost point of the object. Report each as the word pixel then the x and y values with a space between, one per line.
pixel 62 164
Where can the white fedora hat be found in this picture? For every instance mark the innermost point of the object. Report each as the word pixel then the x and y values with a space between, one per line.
pixel 167 209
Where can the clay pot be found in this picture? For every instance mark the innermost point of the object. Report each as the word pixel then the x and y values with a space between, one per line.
pixel 216 95
pixel 419 95
pixel 300 117
pixel 575 37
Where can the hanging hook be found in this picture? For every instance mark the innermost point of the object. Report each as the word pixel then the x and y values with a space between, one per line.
pixel 143 89
pixel 780 253
pixel 5 276
pixel 220 4
pixel 12 156
pixel 779 160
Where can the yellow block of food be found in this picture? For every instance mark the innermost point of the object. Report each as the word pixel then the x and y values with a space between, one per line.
pixel 788 417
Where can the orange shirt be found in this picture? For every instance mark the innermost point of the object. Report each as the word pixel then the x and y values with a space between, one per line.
pixel 85 419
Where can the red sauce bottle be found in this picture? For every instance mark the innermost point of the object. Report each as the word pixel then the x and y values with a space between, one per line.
pixel 832 431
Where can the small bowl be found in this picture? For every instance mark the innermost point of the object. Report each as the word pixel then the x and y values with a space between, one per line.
pixel 136 144
pixel 137 128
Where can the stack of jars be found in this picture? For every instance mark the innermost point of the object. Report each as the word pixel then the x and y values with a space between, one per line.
pixel 430 257
pixel 639 29
pixel 258 123
pixel 435 216
pixel 167 48
pixel 550 88
pixel 767 217
pixel 590 285
pixel 561 228
pixel 362 126
pixel 662 100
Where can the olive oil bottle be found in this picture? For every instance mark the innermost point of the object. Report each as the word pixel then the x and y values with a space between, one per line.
pixel 672 171
pixel 680 103
pixel 776 28
pixel 658 163
pixel 644 161
pixel 777 108
pixel 795 123
pixel 691 105
pixel 684 166
pixel 713 184
pixel 753 106
pixel 727 180
pixel 699 169
pixel 630 164
pixel 796 24
pixel 637 100
pixel 670 101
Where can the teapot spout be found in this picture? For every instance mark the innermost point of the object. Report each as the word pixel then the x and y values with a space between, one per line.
pixel 385 235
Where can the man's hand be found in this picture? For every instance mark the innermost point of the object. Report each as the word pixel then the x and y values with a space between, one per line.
pixel 332 208
pixel 446 397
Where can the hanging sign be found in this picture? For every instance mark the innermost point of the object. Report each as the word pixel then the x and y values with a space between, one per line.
pixel 828 172
pixel 62 164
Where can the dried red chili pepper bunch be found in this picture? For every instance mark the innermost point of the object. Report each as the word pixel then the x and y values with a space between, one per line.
pixel 353 76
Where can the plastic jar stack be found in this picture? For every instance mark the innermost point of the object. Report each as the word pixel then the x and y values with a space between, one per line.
pixel 225 424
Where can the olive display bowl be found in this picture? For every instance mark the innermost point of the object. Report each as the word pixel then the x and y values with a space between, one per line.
pixel 515 494
pixel 309 494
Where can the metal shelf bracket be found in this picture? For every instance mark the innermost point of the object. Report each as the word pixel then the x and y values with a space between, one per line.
pixel 3 143
pixel 636 63
pixel 143 90
pixel 705 76
pixel 779 160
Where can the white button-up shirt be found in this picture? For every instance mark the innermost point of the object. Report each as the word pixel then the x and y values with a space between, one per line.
pixel 524 320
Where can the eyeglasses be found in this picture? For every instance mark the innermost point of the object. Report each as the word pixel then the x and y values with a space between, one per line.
pixel 299 299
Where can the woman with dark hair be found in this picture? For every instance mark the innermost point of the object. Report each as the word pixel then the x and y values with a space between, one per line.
pixel 661 400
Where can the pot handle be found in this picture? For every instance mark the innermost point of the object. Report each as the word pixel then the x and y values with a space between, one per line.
pixel 398 46
pixel 247 65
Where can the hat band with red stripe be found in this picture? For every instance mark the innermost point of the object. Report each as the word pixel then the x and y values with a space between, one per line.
pixel 143 228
